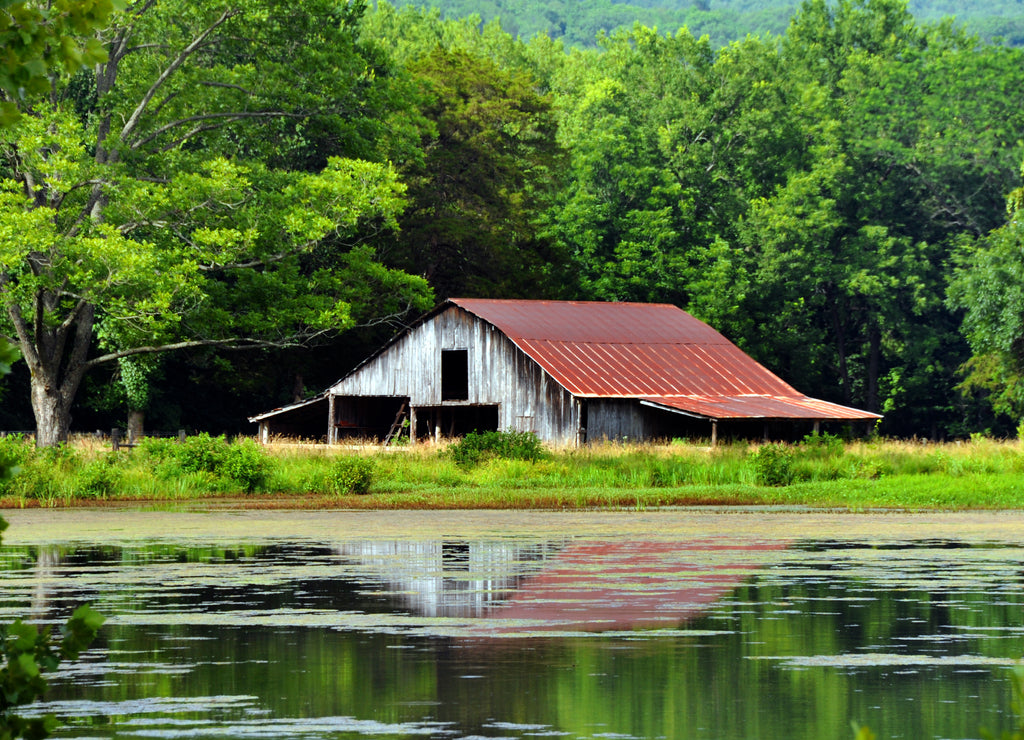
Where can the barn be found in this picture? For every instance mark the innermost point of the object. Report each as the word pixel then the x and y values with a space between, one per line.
pixel 571 371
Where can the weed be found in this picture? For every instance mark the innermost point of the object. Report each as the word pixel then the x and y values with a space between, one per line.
pixel 14 451
pixel 201 453
pixel 351 475
pixel 476 447
pixel 246 464
pixel 773 465
pixel 822 445
pixel 98 478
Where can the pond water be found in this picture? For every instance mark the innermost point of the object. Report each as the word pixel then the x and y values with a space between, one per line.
pixel 683 623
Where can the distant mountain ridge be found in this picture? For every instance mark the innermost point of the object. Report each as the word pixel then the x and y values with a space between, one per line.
pixel 579 22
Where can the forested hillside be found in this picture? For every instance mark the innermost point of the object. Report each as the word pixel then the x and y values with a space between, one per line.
pixel 578 22
pixel 301 180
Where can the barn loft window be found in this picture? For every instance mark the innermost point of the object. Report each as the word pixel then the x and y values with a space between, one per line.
pixel 454 375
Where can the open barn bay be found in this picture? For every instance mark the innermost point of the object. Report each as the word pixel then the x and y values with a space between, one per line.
pixel 682 623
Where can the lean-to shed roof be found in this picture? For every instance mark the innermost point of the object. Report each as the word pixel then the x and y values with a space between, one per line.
pixel 656 353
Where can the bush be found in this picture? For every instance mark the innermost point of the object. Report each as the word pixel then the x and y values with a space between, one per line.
pixel 245 463
pixel 201 453
pixel 15 451
pixel 773 465
pixel 44 473
pixel 823 445
pixel 351 475
pixel 98 478
pixel 476 447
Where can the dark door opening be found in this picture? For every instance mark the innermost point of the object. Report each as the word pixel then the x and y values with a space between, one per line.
pixel 368 417
pixel 455 421
pixel 454 375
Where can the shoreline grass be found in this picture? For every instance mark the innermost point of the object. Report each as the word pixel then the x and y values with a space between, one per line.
pixel 818 473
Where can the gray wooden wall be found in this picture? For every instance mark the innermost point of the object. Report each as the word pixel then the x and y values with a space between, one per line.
pixel 499 373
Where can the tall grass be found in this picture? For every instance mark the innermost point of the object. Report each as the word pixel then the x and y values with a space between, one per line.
pixel 821 471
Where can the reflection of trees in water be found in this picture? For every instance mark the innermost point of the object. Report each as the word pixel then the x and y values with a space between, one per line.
pixel 454 578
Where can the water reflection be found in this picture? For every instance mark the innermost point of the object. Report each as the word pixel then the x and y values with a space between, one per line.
pixel 450 578
pixel 580 634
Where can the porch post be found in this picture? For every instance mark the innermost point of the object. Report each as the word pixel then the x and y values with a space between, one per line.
pixel 331 431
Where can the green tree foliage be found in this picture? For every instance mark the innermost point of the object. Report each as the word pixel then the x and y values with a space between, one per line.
pixel 29 653
pixel 484 176
pixel 178 196
pixel 487 152
pixel 906 157
pixel 668 141
pixel 223 178
pixel 803 194
pixel 988 287
pixel 39 39
pixel 581 23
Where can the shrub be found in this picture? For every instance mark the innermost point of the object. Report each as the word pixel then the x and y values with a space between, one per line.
pixel 245 463
pixel 157 449
pixel 242 463
pixel 15 451
pixel 773 465
pixel 476 447
pixel 98 478
pixel 351 475
pixel 45 473
pixel 201 453
pixel 823 445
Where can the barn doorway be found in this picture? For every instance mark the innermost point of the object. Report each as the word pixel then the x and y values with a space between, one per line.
pixel 455 420
pixel 368 417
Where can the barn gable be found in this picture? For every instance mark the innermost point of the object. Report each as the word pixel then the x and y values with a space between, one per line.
pixel 569 371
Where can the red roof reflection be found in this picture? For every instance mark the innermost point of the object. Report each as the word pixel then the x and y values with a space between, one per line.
pixel 602 586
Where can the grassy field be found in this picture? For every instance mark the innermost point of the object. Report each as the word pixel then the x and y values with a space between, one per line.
pixel 820 472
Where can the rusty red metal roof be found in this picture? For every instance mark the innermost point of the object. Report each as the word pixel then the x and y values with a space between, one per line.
pixel 656 352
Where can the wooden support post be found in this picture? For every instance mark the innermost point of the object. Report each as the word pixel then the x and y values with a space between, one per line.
pixel 817 427
pixel 714 433
pixel 264 433
pixel 332 428
pixel 412 424
pixel 115 439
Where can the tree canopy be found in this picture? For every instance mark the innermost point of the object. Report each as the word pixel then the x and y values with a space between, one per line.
pixel 173 195
pixel 831 196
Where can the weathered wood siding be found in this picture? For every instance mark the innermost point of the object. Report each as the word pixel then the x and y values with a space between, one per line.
pixel 499 373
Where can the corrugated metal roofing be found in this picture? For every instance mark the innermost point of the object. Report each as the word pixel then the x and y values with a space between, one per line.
pixel 322 396
pixel 654 352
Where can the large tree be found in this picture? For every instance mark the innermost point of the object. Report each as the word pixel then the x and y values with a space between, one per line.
pixel 488 150
pixel 988 287
pixel 170 197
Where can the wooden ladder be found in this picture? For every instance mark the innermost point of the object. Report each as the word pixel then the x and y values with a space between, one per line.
pixel 396 426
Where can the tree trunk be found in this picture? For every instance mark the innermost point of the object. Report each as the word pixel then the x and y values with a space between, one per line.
pixel 136 420
pixel 57 363
pixel 840 340
pixel 52 409
pixel 874 365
